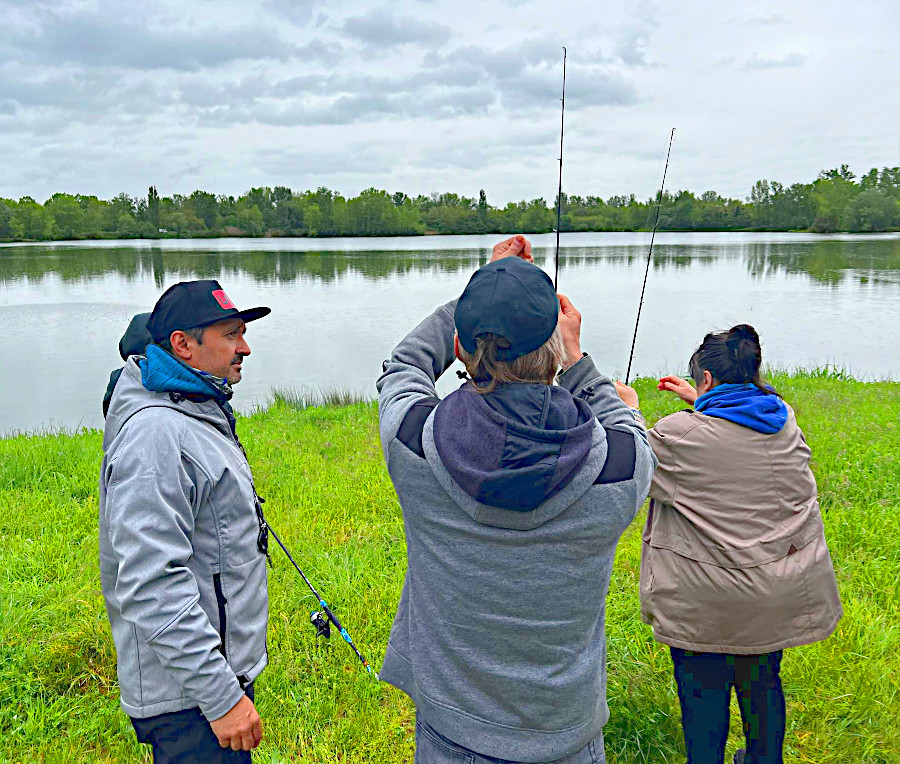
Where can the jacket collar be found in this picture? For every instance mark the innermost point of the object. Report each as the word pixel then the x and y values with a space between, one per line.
pixel 163 373
pixel 746 405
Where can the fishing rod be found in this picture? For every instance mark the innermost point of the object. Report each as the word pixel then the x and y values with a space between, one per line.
pixel 562 125
pixel 649 254
pixel 321 620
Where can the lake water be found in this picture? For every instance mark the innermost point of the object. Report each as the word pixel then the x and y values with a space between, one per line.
pixel 339 305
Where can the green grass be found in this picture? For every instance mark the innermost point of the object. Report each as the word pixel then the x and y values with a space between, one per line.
pixel 331 501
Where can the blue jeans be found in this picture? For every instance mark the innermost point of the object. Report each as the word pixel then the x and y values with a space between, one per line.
pixel 704 688
pixel 434 748
pixel 185 737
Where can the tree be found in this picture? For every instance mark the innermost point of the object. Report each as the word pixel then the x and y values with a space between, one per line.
pixel 35 222
pixel 870 211
pixel 204 207
pixel 536 218
pixel 250 219
pixel 10 228
pixel 67 214
pixel 482 210
pixel 832 191
pixel 761 199
pixel 153 207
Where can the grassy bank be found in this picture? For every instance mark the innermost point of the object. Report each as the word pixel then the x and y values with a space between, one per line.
pixel 330 499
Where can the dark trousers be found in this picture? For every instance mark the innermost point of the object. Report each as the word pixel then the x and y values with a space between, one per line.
pixel 185 737
pixel 704 688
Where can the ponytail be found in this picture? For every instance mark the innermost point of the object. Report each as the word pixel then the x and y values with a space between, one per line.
pixel 734 356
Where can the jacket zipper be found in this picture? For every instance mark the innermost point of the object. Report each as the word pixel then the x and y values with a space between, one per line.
pixel 221 602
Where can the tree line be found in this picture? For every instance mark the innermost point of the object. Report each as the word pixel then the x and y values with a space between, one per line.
pixel 836 201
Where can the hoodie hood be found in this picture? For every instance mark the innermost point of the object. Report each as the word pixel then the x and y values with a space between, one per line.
pixel 516 447
pixel 746 405
pixel 162 372
pixel 131 396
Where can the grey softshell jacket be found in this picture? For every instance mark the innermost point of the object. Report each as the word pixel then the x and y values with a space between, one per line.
pixel 184 582
pixel 499 634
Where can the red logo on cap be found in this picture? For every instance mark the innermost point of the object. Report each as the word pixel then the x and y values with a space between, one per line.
pixel 223 299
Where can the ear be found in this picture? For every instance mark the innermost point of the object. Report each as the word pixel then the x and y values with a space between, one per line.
pixel 456 346
pixel 182 345
pixel 708 381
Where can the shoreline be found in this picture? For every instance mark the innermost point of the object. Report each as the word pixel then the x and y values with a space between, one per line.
pixel 430 234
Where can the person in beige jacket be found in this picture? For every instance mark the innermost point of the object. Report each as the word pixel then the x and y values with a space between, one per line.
pixel 734 564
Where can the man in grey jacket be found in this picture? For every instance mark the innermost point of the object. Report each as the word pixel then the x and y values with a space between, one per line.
pixel 514 493
pixel 183 540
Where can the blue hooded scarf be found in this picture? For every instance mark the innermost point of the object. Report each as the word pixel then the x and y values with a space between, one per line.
pixel 162 372
pixel 746 405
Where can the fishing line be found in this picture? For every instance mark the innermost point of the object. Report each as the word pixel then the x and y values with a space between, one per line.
pixel 322 620
pixel 649 255
pixel 562 125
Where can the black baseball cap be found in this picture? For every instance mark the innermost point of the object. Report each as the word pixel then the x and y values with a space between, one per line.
pixel 510 298
pixel 192 304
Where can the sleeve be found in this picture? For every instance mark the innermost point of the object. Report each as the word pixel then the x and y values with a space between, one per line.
pixel 409 375
pixel 584 381
pixel 150 516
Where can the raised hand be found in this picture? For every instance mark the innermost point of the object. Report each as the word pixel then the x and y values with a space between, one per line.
pixel 514 246
pixel 570 329
pixel 683 389
pixel 628 395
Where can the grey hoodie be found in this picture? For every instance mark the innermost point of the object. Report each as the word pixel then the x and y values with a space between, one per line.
pixel 183 580
pixel 512 505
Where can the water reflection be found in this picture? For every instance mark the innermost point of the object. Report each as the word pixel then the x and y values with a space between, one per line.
pixel 826 262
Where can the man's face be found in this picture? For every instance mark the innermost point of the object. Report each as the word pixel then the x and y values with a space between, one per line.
pixel 222 351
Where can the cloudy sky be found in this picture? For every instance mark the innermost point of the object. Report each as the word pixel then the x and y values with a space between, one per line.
pixel 100 97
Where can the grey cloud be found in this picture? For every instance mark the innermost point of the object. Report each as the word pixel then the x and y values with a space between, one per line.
pixel 790 61
pixel 532 74
pixel 104 39
pixel 298 12
pixel 463 81
pixel 632 48
pixel 383 28
pixel 81 92
pixel 351 159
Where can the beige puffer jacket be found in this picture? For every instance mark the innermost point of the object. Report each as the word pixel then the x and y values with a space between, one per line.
pixel 734 558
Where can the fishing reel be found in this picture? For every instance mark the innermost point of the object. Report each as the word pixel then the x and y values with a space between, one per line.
pixel 320 623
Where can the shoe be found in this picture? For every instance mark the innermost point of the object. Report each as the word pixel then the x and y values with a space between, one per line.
pixel 739 756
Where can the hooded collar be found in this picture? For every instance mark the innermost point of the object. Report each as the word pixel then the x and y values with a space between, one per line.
pixel 746 405
pixel 162 372
pixel 516 447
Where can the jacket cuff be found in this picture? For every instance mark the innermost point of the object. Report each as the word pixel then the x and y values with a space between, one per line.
pixel 580 375
pixel 224 702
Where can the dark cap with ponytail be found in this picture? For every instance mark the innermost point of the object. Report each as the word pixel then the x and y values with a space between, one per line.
pixel 734 356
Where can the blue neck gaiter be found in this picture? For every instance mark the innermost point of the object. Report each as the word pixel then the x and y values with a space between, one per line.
pixel 746 405
pixel 162 372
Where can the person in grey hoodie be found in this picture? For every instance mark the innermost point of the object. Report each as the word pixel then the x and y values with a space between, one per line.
pixel 514 492
pixel 182 537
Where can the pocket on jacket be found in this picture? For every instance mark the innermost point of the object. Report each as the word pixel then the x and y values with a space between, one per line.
pixel 223 613
pixel 245 589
